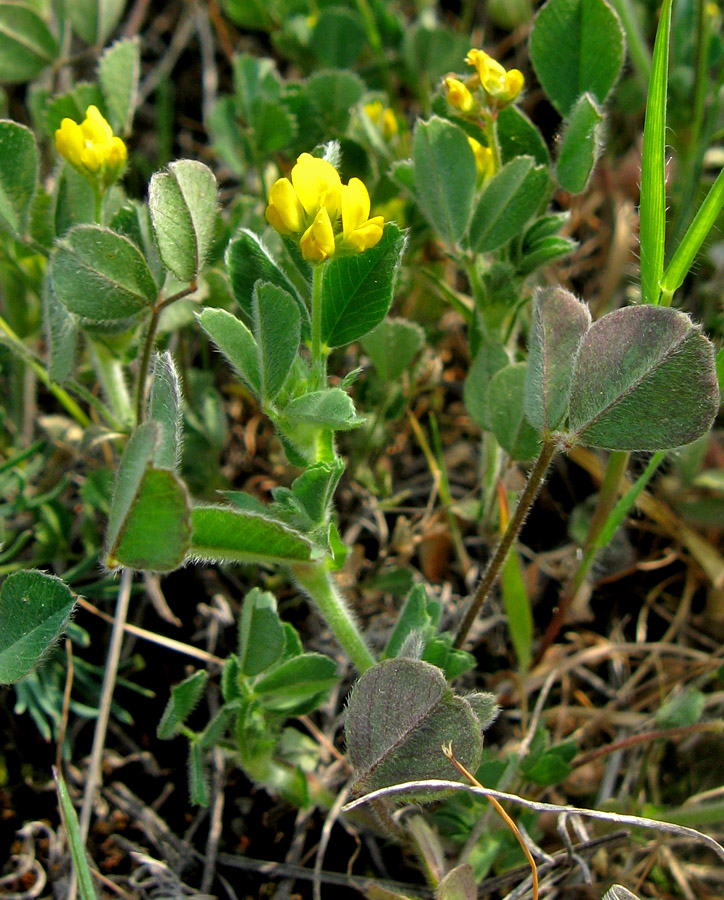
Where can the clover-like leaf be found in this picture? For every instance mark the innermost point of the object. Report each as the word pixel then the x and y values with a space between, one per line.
pixel 645 379
pixel 400 714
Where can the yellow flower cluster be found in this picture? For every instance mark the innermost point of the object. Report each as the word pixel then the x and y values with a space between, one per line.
pixel 499 85
pixel 92 148
pixel 325 215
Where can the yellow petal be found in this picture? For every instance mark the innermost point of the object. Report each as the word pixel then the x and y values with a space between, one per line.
pixel 93 115
pixel 484 162
pixel 367 235
pixel 458 95
pixel 312 178
pixel 284 212
pixel 91 158
pixel 69 142
pixel 355 206
pixel 389 124
pixel 374 110
pixel 317 243
pixel 515 82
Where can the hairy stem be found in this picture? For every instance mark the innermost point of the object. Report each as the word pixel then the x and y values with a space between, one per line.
pixel 319 584
pixel 318 359
pixel 493 569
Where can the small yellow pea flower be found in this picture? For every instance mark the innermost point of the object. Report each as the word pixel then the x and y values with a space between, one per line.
pixel 384 118
pixel 484 159
pixel 458 95
pixel 92 148
pixel 501 86
pixel 322 213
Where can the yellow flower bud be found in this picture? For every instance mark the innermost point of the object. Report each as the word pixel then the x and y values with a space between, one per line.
pixel 389 124
pixel 374 110
pixel 317 242
pixel 92 148
pixel 458 95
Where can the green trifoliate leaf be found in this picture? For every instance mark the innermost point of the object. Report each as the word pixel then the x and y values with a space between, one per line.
pixel 182 202
pixel 26 44
pixel 34 609
pixel 581 145
pixel 445 177
pixel 357 290
pixel 644 379
pixel 577 46
pixel 18 176
pixel 400 714
pixel 559 324
pixel 101 276
pixel 261 633
pixel 119 69
pixel 509 199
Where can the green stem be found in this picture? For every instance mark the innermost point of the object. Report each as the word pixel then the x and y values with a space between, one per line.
pixel 149 341
pixel 608 495
pixel 68 403
pixel 492 570
pixel 98 206
pixel 491 124
pixel 319 584
pixel 318 356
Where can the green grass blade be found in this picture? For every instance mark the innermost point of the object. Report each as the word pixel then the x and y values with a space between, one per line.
pixel 693 239
pixel 652 210
pixel 77 850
